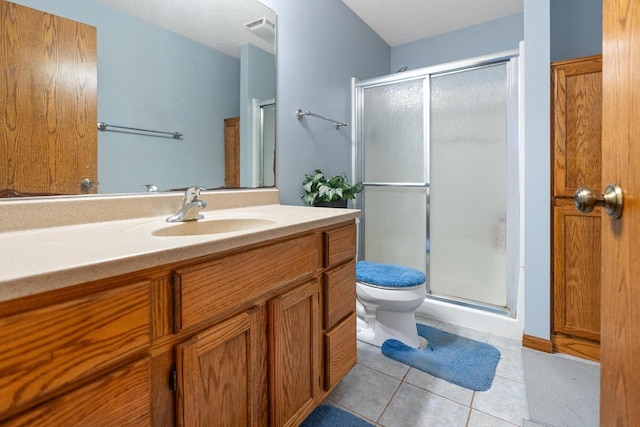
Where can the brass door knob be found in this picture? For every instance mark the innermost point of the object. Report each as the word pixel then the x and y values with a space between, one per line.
pixel 612 200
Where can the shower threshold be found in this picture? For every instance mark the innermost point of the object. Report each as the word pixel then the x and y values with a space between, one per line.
pixel 489 308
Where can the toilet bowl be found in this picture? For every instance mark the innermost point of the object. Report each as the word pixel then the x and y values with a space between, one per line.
pixel 387 296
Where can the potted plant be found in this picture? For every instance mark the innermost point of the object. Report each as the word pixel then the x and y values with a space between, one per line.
pixel 333 192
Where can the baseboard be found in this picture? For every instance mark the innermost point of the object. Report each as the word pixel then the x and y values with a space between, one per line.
pixel 582 348
pixel 536 343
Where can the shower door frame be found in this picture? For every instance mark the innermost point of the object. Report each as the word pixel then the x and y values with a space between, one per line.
pixel 510 58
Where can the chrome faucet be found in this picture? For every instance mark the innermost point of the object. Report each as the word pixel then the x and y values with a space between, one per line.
pixel 191 205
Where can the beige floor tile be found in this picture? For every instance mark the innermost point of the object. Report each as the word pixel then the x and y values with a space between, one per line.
pixel 365 392
pixel 506 399
pixel 511 365
pixel 413 406
pixel 505 343
pixel 439 386
pixel 480 419
pixel 372 357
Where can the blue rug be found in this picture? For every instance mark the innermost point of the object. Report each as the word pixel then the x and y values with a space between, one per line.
pixel 331 416
pixel 468 363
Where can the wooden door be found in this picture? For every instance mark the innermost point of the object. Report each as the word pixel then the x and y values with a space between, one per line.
pixel 576 112
pixel 232 152
pixel 294 354
pixel 620 329
pixel 221 374
pixel 48 102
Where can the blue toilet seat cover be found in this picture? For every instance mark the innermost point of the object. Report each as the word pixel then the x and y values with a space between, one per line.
pixel 388 275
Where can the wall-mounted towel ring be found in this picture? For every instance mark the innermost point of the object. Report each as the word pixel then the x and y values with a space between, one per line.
pixel 300 114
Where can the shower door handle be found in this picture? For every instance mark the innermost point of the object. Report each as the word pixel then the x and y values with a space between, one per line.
pixel 612 200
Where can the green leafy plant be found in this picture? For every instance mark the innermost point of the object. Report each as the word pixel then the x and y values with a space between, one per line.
pixel 319 189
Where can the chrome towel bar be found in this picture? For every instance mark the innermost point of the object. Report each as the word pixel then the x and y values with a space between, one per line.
pixel 300 114
pixel 396 184
pixel 104 127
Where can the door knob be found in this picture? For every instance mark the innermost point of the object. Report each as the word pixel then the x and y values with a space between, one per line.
pixel 612 200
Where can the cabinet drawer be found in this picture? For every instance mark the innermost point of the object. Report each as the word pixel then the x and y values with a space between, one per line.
pixel 340 245
pixel 339 293
pixel 121 398
pixel 231 282
pixel 47 348
pixel 340 351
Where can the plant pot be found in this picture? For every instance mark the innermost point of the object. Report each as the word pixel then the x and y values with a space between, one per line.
pixel 331 204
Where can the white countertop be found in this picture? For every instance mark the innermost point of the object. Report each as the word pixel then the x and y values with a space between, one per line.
pixel 42 259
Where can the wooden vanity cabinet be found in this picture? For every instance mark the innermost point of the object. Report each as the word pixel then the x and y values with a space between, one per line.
pixel 296 291
pixel 255 336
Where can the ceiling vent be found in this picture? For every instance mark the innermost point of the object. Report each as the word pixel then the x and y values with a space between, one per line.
pixel 263 28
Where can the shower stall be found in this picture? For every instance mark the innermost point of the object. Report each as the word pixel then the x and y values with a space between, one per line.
pixel 437 151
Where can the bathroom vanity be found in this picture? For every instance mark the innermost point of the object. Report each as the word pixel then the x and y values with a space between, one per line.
pixel 134 321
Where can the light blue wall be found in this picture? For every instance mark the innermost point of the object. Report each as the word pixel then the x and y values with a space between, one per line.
pixel 537 168
pixel 576 28
pixel 490 37
pixel 154 79
pixel 321 46
pixel 258 80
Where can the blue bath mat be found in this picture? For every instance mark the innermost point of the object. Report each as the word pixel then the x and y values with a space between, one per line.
pixel 468 363
pixel 331 416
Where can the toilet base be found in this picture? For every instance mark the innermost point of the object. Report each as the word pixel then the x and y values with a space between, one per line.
pixel 386 325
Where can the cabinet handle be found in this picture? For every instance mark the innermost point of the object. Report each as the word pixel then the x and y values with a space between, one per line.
pixel 173 379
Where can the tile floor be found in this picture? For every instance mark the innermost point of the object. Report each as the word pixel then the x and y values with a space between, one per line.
pixel 389 393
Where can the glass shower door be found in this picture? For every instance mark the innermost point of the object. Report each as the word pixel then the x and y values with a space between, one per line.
pixel 468 206
pixel 395 173
pixel 439 155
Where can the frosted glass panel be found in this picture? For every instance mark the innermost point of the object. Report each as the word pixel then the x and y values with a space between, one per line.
pixel 393 132
pixel 396 227
pixel 268 145
pixel 468 185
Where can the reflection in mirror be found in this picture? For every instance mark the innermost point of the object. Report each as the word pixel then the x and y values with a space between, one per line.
pixel 266 144
pixel 184 70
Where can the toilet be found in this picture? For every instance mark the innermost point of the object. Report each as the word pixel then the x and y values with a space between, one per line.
pixel 387 296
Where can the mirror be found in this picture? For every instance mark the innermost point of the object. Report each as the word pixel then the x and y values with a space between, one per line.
pixel 184 70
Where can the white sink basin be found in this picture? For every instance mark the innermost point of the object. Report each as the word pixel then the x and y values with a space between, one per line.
pixel 212 226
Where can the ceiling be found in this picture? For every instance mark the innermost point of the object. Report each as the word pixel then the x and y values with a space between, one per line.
pixel 395 21
pixel 218 24
pixel 403 21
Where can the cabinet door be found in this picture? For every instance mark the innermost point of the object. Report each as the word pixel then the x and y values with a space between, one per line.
pixel 220 380
pixel 577 124
pixel 294 354
pixel 576 277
